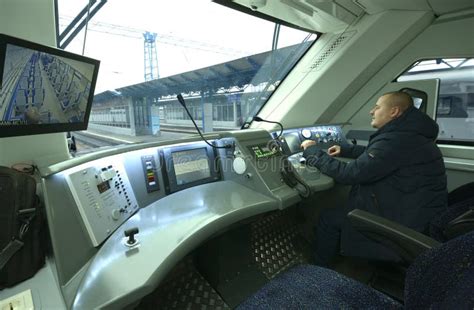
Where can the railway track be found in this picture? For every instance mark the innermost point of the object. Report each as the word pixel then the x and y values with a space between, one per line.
pixel 85 141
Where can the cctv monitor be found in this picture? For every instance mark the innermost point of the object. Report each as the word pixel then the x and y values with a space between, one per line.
pixel 43 89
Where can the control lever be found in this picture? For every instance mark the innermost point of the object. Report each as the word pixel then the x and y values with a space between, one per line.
pixel 290 176
pixel 130 233
pixel 302 160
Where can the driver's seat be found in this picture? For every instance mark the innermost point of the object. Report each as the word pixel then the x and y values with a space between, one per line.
pixel 442 277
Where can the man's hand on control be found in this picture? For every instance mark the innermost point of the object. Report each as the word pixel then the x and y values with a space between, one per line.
pixel 307 143
pixel 334 150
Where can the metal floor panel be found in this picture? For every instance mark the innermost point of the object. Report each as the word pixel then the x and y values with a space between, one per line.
pixel 186 290
pixel 234 263
pixel 277 243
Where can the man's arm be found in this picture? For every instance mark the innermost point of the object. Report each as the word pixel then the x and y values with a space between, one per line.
pixel 371 165
pixel 345 150
pixel 351 150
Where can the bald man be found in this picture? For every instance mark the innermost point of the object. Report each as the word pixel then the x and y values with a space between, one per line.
pixel 400 175
pixel 32 115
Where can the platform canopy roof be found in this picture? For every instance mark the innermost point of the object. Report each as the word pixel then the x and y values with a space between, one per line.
pixel 254 69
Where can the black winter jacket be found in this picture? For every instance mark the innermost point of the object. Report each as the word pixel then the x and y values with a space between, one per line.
pixel 400 175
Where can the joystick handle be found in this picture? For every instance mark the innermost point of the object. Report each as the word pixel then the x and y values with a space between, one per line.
pixel 130 233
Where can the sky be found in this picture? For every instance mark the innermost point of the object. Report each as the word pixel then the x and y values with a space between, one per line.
pixel 192 34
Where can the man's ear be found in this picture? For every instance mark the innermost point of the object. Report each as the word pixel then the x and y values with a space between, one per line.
pixel 395 112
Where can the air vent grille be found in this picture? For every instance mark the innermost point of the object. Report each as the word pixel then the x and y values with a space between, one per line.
pixel 330 49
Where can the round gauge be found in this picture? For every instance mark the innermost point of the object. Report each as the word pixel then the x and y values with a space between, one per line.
pixel 306 133
pixel 239 165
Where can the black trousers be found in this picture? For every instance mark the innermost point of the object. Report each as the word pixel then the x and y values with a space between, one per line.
pixel 328 235
pixel 328 240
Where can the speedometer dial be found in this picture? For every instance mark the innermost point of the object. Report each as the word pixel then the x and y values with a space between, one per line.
pixel 306 133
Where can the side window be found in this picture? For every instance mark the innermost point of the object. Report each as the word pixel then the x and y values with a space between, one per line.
pixel 455 108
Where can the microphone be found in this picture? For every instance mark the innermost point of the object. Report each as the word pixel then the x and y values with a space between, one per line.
pixel 259 119
pixel 181 101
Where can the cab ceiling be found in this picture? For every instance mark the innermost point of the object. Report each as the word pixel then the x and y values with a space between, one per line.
pixel 439 7
pixel 336 15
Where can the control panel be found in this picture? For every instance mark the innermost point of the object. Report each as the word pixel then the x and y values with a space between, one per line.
pixel 104 198
pixel 323 134
pixel 326 136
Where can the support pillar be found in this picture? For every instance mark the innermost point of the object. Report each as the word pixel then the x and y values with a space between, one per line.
pixel 155 120
pixel 206 102
pixel 131 110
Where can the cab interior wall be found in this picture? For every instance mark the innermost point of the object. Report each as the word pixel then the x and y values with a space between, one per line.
pixel 326 89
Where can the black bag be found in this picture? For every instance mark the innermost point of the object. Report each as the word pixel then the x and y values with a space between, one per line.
pixel 22 250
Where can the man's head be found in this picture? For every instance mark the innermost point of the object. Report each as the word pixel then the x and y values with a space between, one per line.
pixel 32 115
pixel 389 107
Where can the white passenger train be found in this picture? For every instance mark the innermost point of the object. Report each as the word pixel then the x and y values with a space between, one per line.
pixel 185 221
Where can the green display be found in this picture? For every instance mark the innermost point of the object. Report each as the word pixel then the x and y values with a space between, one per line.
pixel 262 151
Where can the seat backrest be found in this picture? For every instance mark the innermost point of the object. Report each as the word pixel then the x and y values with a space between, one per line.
pixel 456 220
pixel 443 277
pixel 461 193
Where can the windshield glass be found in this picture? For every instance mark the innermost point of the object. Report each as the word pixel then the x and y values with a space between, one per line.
pixel 225 63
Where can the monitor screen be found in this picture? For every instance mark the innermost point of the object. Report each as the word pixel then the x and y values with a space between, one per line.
pixel 191 165
pixel 43 89
pixel 188 165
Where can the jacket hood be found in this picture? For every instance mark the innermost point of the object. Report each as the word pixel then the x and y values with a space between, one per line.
pixel 412 121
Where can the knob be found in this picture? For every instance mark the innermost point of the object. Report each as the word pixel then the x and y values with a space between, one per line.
pixel 130 233
pixel 116 214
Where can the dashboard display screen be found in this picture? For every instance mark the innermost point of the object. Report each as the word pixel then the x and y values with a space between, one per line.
pixel 262 151
pixel 191 165
pixel 188 165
